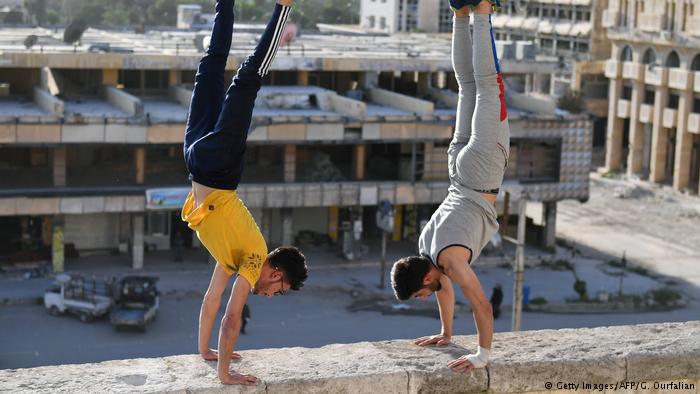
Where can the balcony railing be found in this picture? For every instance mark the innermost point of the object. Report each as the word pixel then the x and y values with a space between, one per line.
pixel 623 109
pixel 646 113
pixel 670 118
pixel 612 69
pixel 657 76
pixel 680 79
pixel 694 123
pixel 632 70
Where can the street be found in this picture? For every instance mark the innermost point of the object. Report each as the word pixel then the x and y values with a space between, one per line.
pixel 31 337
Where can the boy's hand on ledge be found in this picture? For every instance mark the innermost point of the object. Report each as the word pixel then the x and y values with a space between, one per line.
pixel 236 378
pixel 213 355
pixel 461 365
pixel 439 340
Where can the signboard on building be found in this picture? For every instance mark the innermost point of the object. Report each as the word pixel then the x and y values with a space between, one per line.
pixel 166 198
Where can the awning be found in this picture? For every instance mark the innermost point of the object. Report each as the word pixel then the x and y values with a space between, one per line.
pixel 581 29
pixel 546 27
pixel 531 23
pixel 499 21
pixel 562 28
pixel 514 22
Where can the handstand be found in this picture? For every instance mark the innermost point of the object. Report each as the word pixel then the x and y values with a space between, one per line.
pixel 215 144
pixel 466 219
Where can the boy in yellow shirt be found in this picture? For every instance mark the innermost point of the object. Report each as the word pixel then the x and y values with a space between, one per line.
pixel 214 149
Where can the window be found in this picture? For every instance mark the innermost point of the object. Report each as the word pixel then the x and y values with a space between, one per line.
pixel 673 101
pixel 626 93
pixel 649 96
pixel 382 23
pixel 371 22
pixel 158 223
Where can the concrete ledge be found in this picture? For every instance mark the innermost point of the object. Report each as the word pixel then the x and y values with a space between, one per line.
pixel 522 362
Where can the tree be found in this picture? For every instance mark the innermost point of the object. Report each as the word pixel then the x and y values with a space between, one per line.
pixel 36 9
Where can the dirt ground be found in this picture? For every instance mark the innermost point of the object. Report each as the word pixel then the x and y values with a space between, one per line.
pixel 654 226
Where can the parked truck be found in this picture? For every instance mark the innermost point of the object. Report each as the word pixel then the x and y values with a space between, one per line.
pixel 137 303
pixel 87 299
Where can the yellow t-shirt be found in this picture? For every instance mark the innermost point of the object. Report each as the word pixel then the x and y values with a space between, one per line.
pixel 229 232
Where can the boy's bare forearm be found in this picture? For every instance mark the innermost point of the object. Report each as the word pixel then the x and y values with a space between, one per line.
pixel 446 305
pixel 228 336
pixel 207 317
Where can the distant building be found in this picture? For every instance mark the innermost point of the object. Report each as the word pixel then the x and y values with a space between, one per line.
pixel 392 16
pixel 91 143
pixel 654 72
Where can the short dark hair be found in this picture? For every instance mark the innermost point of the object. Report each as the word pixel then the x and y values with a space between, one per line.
pixel 292 263
pixel 407 275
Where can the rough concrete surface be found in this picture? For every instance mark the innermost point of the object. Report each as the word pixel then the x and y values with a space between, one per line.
pixel 521 362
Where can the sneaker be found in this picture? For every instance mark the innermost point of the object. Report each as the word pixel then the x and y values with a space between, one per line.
pixel 457 4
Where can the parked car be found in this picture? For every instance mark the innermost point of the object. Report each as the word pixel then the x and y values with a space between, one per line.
pixel 137 304
pixel 86 298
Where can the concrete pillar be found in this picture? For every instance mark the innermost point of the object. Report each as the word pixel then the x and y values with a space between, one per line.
pixel 370 79
pixel 59 166
pixel 302 78
pixel 57 245
pixel 635 157
pixel 423 83
pixel 173 77
pixel 333 217
pixel 360 157
pixel 110 77
pixel 290 163
pixel 659 137
pixel 140 165
pixel 613 144
pixel 265 222
pixel 684 143
pixel 137 244
pixel 287 229
pixel 550 220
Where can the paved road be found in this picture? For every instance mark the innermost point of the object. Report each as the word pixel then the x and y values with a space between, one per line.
pixel 30 337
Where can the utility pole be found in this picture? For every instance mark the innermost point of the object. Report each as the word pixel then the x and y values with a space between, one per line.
pixel 519 266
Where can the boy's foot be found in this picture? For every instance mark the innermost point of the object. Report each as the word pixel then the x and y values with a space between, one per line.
pixel 458 4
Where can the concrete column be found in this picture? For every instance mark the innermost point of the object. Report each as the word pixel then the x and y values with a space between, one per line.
pixel 137 244
pixel 360 157
pixel 173 77
pixel 613 144
pixel 333 216
pixel 550 220
pixel 265 222
pixel 59 166
pixel 290 163
pixel 287 229
pixel 302 78
pixel 684 143
pixel 57 245
pixel 110 77
pixel 636 132
pixel 659 137
pixel 140 165
pixel 370 80
pixel 424 84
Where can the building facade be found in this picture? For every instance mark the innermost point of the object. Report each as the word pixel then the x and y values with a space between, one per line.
pixel 654 112
pixel 91 141
pixel 393 16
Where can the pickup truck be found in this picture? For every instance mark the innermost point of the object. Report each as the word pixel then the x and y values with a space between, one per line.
pixel 137 304
pixel 73 294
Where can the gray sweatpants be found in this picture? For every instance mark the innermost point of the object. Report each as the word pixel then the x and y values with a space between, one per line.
pixel 478 153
